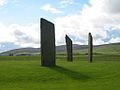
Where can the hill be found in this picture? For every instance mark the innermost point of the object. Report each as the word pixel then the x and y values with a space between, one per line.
pixel 36 51
pixel 113 48
pixel 21 51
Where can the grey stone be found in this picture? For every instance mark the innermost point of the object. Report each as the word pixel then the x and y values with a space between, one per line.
pixel 69 48
pixel 90 47
pixel 48 56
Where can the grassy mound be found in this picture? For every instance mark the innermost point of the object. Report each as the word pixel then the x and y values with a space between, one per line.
pixel 26 73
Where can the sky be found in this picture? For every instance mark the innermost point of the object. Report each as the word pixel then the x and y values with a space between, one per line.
pixel 20 21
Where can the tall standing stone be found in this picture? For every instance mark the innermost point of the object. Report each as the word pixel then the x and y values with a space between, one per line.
pixel 90 47
pixel 69 48
pixel 48 57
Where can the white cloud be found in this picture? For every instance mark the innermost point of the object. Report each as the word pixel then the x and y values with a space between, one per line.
pixel 113 6
pixel 2 2
pixel 25 36
pixel 65 3
pixel 95 18
pixel 15 3
pixel 113 40
pixel 50 9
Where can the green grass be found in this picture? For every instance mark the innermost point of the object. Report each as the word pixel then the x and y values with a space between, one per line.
pixel 26 73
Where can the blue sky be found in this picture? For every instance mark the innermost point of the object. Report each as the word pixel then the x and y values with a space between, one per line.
pixel 29 11
pixel 19 21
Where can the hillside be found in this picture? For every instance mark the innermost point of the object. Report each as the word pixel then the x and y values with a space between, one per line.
pixel 21 51
pixel 36 51
pixel 113 48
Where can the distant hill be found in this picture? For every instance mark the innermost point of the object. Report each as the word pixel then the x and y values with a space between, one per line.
pixel 113 48
pixel 36 51
pixel 21 51
pixel 76 48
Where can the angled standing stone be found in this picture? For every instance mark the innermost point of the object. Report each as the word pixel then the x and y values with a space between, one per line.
pixel 90 47
pixel 47 43
pixel 69 48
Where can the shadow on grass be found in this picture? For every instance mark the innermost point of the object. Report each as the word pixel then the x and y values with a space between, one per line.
pixel 70 73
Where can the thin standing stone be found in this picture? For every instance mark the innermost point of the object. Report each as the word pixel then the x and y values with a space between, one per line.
pixel 90 47
pixel 69 48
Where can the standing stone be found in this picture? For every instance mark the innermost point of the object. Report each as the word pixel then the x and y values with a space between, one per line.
pixel 69 48
pixel 90 47
pixel 47 43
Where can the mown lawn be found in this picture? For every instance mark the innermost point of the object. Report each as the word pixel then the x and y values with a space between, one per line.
pixel 26 73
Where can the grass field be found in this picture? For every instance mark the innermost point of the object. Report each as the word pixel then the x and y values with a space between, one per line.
pixel 26 73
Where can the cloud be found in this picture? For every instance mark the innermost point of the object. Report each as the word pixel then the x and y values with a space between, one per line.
pixel 112 7
pixel 113 40
pixel 50 9
pixel 66 3
pixel 2 2
pixel 15 3
pixel 98 17
pixel 24 36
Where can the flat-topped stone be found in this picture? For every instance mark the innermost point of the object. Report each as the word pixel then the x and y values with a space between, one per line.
pixel 48 56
